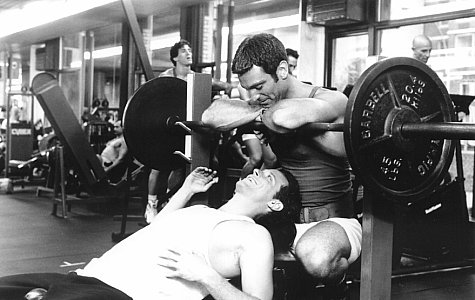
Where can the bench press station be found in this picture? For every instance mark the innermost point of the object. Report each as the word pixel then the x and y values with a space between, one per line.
pixel 398 129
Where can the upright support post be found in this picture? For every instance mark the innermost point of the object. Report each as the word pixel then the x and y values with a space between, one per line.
pixel 197 146
pixel 59 181
pixel 230 40
pixel 138 38
pixel 62 178
pixel 377 246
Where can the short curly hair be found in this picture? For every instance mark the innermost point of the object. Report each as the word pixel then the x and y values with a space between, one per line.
pixel 175 48
pixel 262 50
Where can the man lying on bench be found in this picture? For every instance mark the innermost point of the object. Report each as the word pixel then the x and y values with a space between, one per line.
pixel 187 253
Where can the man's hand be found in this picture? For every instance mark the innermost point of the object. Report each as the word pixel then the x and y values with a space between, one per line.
pixel 200 180
pixel 186 265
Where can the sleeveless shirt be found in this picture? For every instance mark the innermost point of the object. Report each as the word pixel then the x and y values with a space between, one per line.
pixel 131 266
pixel 323 178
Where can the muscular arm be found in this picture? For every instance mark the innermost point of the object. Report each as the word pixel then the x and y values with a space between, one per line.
pixel 200 180
pixel 218 85
pixel 226 114
pixel 256 260
pixel 245 247
pixel 290 114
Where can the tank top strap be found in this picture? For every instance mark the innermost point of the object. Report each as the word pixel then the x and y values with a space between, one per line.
pixel 313 92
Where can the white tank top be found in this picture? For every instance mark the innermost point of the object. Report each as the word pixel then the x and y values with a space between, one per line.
pixel 131 267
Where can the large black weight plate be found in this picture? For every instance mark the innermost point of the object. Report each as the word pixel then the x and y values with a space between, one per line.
pixel 397 91
pixel 146 133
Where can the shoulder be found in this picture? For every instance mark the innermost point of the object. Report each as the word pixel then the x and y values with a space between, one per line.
pixel 247 234
pixel 167 73
pixel 323 92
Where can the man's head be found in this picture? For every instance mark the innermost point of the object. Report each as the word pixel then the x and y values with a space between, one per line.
pixel 292 57
pixel 181 53
pixel 421 47
pixel 278 190
pixel 261 63
pixel 118 130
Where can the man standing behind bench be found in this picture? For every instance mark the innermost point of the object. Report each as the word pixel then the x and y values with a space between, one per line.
pixel 331 238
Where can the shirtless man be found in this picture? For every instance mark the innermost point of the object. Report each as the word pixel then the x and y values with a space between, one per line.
pixel 331 239
pixel 113 155
pixel 189 251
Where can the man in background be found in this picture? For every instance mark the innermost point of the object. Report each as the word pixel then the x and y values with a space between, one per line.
pixel 292 57
pixel 114 154
pixel 421 48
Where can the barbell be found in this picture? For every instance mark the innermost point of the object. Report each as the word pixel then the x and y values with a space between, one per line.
pixel 397 129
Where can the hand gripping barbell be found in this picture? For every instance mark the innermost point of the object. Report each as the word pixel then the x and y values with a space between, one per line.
pixel 397 130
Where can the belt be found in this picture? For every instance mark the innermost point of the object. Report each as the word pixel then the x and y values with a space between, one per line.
pixel 342 208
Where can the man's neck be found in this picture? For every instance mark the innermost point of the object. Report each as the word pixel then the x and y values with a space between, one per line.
pixel 239 206
pixel 182 70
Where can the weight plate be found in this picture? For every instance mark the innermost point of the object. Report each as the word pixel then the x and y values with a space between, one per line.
pixel 146 133
pixel 387 95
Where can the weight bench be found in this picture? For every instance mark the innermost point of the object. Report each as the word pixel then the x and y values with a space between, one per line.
pixel 90 172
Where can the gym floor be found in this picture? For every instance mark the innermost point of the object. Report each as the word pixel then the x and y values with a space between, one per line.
pixel 32 240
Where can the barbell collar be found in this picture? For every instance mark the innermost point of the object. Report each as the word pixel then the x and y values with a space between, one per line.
pixel 182 125
pixel 195 126
pixel 446 130
pixel 182 155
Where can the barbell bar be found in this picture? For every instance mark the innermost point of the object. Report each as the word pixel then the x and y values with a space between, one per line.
pixel 397 129
pixel 448 130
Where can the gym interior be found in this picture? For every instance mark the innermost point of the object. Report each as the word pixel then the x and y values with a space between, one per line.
pixel 70 70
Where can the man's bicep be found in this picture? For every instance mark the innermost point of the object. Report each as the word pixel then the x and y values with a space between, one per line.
pixel 256 262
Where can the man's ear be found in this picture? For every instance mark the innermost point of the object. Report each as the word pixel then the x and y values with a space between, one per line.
pixel 275 205
pixel 283 70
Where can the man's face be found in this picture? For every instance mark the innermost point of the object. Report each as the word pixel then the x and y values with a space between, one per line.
pixel 262 185
pixel 117 128
pixel 422 53
pixel 292 64
pixel 184 56
pixel 260 85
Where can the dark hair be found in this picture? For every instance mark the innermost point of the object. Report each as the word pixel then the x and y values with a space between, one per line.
pixel 281 224
pixel 292 52
pixel 262 50
pixel 174 49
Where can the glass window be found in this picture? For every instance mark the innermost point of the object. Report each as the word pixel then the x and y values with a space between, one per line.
pixel 106 56
pixel 349 60
pixel 453 50
pixel 401 9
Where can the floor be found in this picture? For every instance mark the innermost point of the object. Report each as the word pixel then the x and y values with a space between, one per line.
pixel 33 240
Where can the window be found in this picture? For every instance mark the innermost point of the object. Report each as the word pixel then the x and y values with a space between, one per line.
pixel 349 60
pixel 453 52
pixel 402 9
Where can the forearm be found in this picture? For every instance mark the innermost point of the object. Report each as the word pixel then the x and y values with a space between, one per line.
pixel 218 85
pixel 221 289
pixel 290 114
pixel 228 114
pixel 178 200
